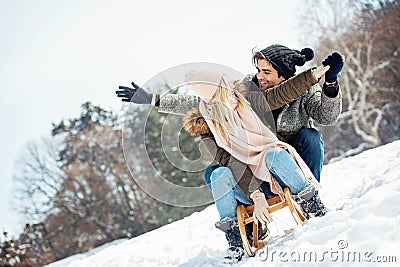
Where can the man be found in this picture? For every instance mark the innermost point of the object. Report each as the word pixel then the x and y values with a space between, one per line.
pixel 294 121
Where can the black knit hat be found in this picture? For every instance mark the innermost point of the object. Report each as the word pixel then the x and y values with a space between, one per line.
pixel 285 60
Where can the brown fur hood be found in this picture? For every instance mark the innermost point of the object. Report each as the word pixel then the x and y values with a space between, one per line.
pixel 193 121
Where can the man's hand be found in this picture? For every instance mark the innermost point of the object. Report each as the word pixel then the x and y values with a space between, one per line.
pixel 260 213
pixel 136 94
pixel 336 62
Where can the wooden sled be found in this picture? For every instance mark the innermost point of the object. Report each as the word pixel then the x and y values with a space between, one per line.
pixel 245 216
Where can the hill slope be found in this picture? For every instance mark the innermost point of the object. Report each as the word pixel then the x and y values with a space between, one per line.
pixel 362 192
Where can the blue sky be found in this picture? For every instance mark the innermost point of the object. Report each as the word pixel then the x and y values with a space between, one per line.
pixel 56 55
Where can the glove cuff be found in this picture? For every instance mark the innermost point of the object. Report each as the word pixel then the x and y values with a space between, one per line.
pixel 331 90
pixel 155 100
pixel 258 190
pixel 258 196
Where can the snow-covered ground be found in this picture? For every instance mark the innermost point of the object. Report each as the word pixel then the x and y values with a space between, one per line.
pixel 362 192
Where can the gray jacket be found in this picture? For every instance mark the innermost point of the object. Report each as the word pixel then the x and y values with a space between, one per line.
pixel 311 106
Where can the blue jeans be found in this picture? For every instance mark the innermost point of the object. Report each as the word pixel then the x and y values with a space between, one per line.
pixel 285 170
pixel 226 192
pixel 310 146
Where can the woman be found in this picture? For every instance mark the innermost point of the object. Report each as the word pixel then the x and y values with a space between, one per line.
pixel 238 130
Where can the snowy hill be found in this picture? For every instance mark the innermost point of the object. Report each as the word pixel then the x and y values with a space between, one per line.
pixel 362 192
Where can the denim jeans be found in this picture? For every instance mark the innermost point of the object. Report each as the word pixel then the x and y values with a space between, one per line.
pixel 285 170
pixel 310 146
pixel 226 192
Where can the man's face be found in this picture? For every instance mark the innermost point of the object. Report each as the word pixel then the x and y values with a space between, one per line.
pixel 266 74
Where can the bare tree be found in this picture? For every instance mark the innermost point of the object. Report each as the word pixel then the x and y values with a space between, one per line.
pixel 370 78
pixel 362 111
pixel 37 180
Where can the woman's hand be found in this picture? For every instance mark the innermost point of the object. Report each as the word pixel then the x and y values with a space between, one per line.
pixel 136 94
pixel 260 213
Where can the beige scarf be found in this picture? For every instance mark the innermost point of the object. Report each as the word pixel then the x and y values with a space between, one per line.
pixel 250 141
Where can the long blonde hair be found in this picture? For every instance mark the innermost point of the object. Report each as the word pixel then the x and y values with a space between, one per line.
pixel 222 115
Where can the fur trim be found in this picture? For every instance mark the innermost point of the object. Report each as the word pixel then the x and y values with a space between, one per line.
pixel 194 123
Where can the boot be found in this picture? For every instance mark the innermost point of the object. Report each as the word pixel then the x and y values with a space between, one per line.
pixel 310 202
pixel 235 251
pixel 262 232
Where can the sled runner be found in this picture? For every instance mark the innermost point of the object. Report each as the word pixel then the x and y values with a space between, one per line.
pixel 245 216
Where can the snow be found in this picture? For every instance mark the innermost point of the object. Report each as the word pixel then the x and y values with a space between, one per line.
pixel 362 193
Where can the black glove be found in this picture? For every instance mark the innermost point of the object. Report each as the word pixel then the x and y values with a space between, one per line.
pixel 136 94
pixel 336 63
